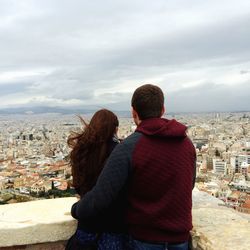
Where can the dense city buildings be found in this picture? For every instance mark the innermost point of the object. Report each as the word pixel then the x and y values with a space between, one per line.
pixel 223 151
pixel 34 155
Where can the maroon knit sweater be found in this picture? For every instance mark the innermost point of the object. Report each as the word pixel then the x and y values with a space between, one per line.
pixel 160 189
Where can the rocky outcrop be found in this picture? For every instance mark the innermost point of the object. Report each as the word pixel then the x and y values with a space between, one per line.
pixel 217 227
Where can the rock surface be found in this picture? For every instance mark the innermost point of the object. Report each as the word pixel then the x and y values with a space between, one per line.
pixel 36 221
pixel 46 221
pixel 217 227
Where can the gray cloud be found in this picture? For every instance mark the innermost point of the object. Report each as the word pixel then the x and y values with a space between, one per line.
pixel 245 72
pixel 97 53
pixel 13 88
pixel 210 97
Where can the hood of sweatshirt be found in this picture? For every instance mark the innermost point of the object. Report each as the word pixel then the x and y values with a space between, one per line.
pixel 162 127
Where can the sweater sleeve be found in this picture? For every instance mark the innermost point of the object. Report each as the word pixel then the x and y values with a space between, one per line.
pixel 111 180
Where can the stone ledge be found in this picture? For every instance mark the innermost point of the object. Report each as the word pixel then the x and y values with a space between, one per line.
pixel 25 225
pixel 36 222
pixel 217 227
pixel 59 245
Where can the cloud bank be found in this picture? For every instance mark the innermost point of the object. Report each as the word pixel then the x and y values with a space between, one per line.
pixel 81 53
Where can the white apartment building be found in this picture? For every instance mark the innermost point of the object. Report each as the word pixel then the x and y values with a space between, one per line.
pixel 244 169
pixel 237 161
pixel 219 166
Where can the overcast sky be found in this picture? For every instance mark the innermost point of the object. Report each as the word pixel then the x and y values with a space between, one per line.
pixel 79 53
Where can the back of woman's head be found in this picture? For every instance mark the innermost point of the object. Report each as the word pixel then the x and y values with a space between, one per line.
pixel 102 126
pixel 90 149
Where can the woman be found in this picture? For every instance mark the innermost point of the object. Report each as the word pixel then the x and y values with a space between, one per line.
pixel 90 150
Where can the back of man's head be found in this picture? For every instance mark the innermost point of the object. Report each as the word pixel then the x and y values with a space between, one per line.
pixel 148 101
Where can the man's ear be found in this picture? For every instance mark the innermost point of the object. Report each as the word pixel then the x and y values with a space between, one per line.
pixel 134 113
pixel 135 116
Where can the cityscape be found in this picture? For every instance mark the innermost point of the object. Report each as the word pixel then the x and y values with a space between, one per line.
pixel 34 153
pixel 62 61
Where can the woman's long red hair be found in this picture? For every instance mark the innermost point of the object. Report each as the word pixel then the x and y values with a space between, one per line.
pixel 91 148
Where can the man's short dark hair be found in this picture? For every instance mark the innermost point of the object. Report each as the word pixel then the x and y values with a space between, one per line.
pixel 148 101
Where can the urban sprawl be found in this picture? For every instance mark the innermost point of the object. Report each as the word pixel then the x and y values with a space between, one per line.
pixel 34 160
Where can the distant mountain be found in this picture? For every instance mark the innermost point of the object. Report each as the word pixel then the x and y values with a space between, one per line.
pixel 42 110
pixel 87 110
pixel 59 110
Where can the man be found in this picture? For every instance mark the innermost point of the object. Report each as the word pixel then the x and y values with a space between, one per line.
pixel 157 166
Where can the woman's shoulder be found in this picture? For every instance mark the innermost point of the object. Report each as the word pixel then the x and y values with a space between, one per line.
pixel 116 140
pixel 113 143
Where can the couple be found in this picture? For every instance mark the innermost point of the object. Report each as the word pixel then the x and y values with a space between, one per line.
pixel 136 194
